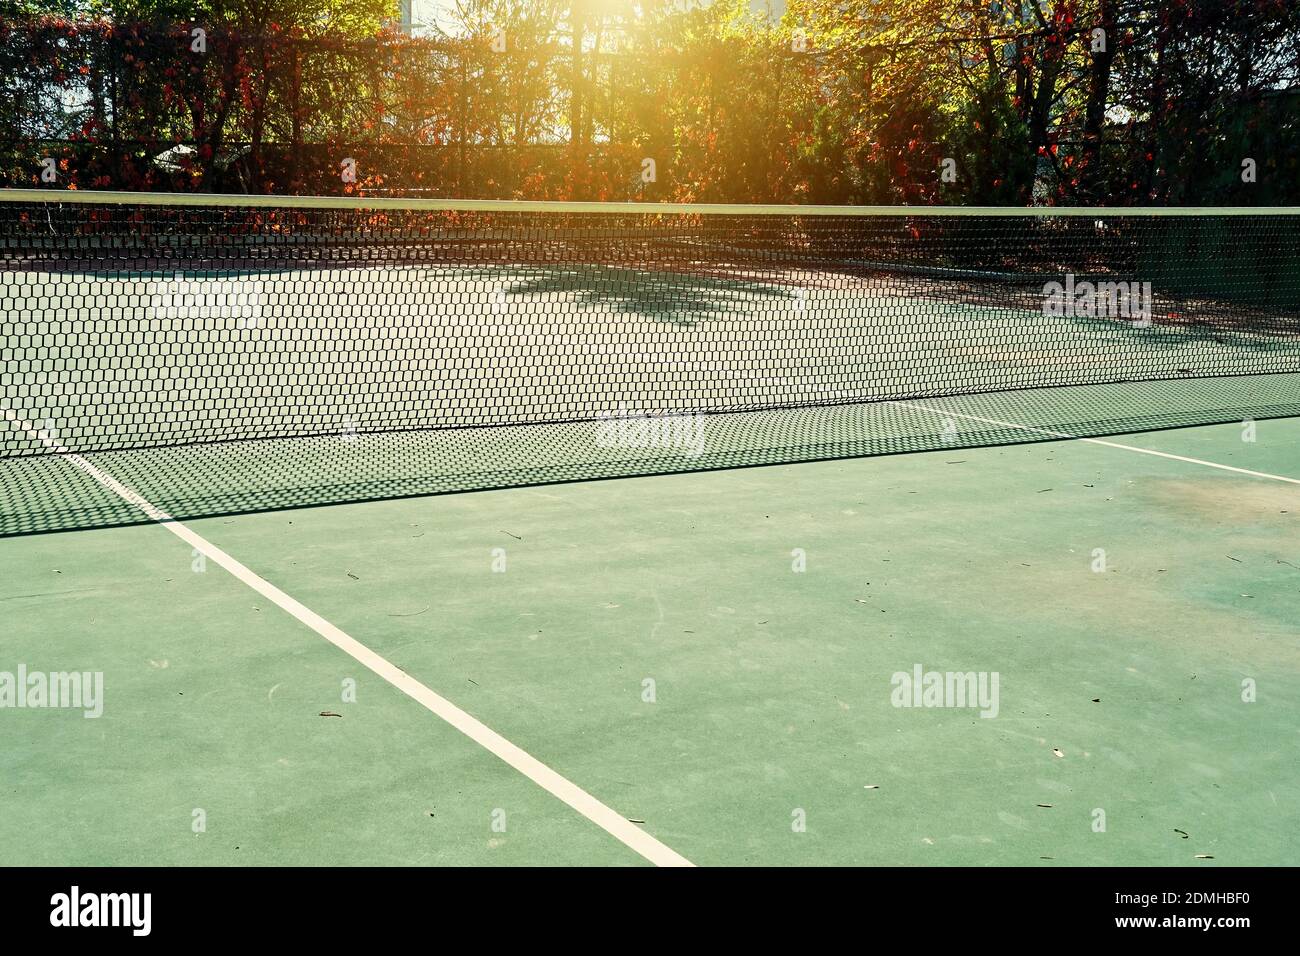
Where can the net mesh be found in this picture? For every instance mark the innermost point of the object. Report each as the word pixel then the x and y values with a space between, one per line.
pixel 437 347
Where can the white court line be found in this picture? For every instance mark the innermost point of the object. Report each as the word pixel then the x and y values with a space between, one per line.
pixel 608 820
pixel 1099 441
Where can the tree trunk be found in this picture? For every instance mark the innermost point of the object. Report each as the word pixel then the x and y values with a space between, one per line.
pixel 1091 178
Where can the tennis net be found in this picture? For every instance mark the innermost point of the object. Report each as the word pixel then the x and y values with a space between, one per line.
pixel 592 334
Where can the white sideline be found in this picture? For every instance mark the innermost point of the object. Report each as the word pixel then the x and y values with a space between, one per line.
pixel 549 780
pixel 1097 441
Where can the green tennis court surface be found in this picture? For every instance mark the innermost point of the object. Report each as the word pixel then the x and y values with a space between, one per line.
pixel 1120 691
pixel 1060 630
